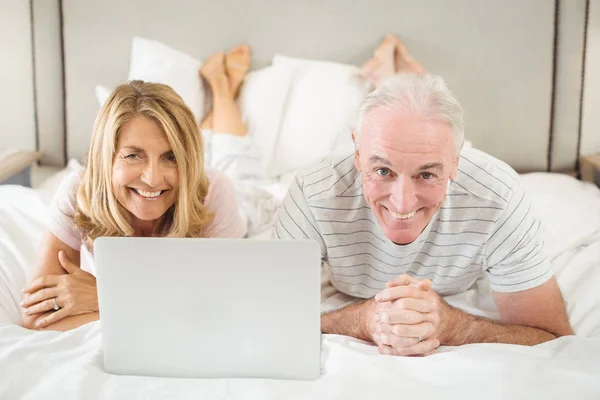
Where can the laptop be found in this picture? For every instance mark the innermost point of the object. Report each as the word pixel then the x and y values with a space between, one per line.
pixel 210 308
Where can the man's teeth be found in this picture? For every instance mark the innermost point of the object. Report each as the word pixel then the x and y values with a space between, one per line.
pixel 403 216
pixel 148 194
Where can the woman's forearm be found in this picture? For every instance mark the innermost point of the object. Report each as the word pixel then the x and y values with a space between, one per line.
pixel 70 322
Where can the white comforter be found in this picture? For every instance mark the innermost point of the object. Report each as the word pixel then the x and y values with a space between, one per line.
pixel 69 365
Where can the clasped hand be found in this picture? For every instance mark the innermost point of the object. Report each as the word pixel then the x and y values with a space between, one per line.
pixel 404 319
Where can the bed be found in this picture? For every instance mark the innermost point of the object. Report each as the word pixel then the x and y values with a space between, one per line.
pixel 69 365
pixel 523 106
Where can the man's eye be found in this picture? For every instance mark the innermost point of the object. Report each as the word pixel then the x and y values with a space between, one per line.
pixel 427 175
pixel 383 171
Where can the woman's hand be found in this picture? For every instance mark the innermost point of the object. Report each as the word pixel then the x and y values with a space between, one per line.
pixel 74 293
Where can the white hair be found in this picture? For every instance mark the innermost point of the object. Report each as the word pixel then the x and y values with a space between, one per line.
pixel 425 95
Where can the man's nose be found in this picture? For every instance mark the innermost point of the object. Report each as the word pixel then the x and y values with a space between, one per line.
pixel 403 197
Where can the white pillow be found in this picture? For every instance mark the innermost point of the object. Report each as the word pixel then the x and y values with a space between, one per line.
pixel 47 189
pixel 262 105
pixel 321 111
pixel 569 209
pixel 153 61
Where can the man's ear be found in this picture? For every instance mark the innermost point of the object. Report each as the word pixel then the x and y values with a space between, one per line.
pixel 356 154
pixel 357 160
pixel 454 168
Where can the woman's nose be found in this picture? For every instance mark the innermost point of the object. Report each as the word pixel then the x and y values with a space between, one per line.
pixel 152 175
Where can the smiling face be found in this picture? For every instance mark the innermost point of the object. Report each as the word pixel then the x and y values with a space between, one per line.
pixel 405 161
pixel 145 176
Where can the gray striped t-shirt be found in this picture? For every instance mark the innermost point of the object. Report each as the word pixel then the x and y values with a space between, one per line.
pixel 485 225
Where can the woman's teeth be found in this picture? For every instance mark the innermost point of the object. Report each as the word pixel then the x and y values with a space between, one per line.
pixel 148 194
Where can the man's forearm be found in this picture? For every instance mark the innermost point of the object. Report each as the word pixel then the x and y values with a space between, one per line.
pixel 347 321
pixel 463 328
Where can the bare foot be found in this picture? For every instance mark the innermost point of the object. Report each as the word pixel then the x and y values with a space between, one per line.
pixel 237 64
pixel 369 70
pixel 213 70
pixel 404 62
pixel 389 58
pixel 382 63
pixel 384 53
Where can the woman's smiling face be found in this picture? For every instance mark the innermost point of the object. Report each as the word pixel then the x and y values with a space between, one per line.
pixel 145 176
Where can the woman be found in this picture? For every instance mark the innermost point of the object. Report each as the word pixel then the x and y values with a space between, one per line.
pixel 145 176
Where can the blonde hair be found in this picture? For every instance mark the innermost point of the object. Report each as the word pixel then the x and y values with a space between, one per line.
pixel 98 213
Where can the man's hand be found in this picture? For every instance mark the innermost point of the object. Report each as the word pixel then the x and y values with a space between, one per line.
pixel 408 309
pixel 405 318
pixel 75 293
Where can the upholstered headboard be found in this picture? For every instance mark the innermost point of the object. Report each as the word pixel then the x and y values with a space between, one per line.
pixel 516 66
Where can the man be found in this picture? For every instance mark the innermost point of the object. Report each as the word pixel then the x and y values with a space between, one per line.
pixel 411 217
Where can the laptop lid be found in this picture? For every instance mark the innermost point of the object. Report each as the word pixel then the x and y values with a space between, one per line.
pixel 210 308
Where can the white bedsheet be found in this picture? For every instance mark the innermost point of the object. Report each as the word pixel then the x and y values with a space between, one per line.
pixel 69 365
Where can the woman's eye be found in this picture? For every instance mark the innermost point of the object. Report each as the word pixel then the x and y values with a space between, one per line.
pixel 383 171
pixel 171 158
pixel 131 156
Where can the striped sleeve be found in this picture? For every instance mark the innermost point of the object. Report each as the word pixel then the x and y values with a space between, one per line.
pixel 295 219
pixel 515 255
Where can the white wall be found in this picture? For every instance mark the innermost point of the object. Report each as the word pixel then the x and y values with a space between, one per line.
pixel 17 125
pixel 49 81
pixel 590 139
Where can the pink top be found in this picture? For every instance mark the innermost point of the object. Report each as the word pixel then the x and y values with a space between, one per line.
pixel 221 201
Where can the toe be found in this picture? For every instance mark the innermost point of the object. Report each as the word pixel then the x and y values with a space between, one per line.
pixel 240 50
pixel 244 48
pixel 216 58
